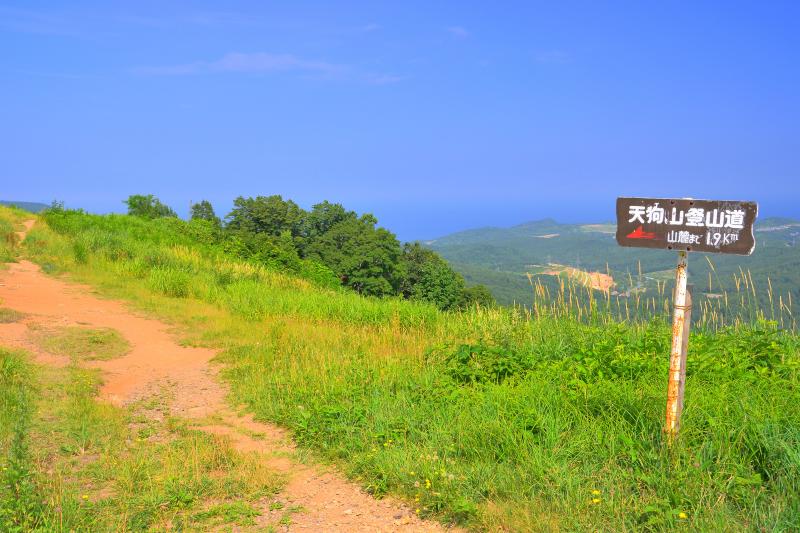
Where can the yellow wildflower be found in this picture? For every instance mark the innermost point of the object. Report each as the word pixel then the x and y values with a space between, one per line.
pixel 596 492
pixel 595 500
pixel 682 515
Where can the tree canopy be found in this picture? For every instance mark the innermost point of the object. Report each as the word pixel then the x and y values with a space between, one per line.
pixel 429 277
pixel 266 214
pixel 326 243
pixel 477 295
pixel 323 217
pixel 203 210
pixel 148 206
pixel 365 258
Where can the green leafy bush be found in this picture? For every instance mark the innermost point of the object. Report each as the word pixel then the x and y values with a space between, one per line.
pixel 479 363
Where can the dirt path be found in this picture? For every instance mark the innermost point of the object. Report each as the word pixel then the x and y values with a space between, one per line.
pixel 28 224
pixel 157 363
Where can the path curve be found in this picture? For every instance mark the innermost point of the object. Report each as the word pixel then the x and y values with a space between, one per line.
pixel 156 361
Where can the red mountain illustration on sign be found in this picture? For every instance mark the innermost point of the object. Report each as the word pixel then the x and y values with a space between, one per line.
pixel 640 233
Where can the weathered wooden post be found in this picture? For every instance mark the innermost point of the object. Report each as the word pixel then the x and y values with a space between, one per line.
pixel 684 225
pixel 681 325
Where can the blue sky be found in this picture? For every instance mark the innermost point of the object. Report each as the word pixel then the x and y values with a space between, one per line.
pixel 434 116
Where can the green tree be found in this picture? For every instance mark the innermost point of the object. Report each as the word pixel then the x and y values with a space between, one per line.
pixel 148 206
pixel 271 215
pixel 323 217
pixel 203 231
pixel 278 252
pixel 203 210
pixel 478 295
pixel 366 258
pixel 430 278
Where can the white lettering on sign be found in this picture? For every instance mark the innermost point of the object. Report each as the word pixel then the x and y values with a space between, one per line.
pixel 715 219
pixel 734 219
pixel 674 220
pixel 655 214
pixel 637 213
pixel 694 217
pixel 715 238
pixel 683 237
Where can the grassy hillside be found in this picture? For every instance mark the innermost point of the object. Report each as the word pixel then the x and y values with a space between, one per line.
pixel 32 207
pixel 494 418
pixel 70 463
pixel 501 257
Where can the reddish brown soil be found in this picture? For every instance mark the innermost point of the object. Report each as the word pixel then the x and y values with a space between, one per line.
pixel 157 363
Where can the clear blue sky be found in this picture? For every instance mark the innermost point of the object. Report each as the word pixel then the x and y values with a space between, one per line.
pixel 434 116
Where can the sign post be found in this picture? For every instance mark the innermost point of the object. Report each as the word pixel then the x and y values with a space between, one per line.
pixel 681 323
pixel 684 225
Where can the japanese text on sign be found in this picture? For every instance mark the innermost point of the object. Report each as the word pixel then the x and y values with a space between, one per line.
pixel 684 224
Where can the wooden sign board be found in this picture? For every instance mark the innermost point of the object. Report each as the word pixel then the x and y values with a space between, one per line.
pixel 687 225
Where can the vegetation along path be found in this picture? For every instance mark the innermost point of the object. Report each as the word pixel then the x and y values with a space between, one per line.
pixel 158 367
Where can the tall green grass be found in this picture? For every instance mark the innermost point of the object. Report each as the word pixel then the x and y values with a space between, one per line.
pixel 539 419
pixel 20 506
pixel 539 424
pixel 721 303
pixel 10 223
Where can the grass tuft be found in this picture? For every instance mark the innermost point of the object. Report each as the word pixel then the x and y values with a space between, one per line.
pixel 7 316
pixel 83 343
pixel 169 281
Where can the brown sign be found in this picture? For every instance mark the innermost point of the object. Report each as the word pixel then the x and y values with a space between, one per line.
pixel 690 225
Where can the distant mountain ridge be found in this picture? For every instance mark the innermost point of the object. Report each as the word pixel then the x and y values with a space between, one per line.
pixel 33 207
pixel 480 234
pixel 502 258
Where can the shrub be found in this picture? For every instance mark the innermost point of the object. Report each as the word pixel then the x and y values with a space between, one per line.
pixel 479 363
pixel 148 206
pixel 169 281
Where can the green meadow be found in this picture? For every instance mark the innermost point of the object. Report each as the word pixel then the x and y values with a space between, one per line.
pixel 546 418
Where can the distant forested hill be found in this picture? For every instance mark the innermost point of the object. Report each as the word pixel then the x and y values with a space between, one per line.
pixel 502 258
pixel 33 207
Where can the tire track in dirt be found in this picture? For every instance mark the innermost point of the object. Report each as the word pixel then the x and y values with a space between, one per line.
pixel 157 362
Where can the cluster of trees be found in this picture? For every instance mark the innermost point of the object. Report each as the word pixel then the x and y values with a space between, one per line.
pixel 364 256
pixel 148 207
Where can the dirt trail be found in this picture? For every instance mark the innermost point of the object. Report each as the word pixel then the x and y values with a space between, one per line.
pixel 157 362
pixel 28 224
